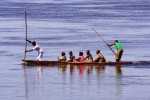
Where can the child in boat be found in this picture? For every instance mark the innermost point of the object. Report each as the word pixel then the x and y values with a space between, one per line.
pixel 81 57
pixel 37 48
pixel 99 57
pixel 62 57
pixel 88 57
pixel 71 57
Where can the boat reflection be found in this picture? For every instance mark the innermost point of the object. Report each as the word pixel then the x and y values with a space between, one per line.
pixel 43 82
pixel 81 69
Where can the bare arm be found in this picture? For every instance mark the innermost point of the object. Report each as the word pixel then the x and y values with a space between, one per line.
pixel 111 44
pixel 101 55
pixel 29 50
pixel 96 58
pixel 29 41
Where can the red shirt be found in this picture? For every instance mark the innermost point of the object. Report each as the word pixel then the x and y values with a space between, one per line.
pixel 81 58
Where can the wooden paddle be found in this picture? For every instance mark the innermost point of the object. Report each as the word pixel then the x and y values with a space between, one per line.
pixel 98 34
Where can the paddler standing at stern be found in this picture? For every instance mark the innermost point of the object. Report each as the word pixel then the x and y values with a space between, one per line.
pixel 119 49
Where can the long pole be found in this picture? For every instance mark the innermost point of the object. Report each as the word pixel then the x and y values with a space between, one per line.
pixel 104 41
pixel 26 30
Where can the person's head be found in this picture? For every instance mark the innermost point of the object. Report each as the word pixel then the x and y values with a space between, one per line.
pixel 80 53
pixel 88 52
pixel 116 41
pixel 34 43
pixel 63 53
pixel 71 53
pixel 97 51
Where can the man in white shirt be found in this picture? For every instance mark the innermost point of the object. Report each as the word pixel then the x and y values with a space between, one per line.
pixel 37 48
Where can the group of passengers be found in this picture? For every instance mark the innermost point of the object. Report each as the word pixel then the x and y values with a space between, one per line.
pixel 82 57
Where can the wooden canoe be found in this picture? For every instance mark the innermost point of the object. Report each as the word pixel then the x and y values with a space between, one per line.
pixel 53 63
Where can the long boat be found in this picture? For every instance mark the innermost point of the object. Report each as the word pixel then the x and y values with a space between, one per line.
pixel 53 63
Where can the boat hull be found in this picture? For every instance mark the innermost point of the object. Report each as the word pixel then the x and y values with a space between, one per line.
pixel 53 63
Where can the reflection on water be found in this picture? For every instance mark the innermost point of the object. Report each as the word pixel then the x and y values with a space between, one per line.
pixel 71 82
pixel 64 25
pixel 81 69
pixel 118 69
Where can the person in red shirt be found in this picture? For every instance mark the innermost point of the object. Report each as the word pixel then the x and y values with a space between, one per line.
pixel 81 57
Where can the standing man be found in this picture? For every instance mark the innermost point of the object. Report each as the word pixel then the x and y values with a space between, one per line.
pixel 37 48
pixel 119 49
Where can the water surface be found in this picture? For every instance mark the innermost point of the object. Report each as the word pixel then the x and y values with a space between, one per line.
pixel 67 25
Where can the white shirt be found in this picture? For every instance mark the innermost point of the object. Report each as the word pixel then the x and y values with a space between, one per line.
pixel 37 48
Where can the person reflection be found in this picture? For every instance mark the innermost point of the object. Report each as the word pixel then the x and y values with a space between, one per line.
pixel 118 81
pixel 118 69
pixel 62 68
pixel 99 69
pixel 89 69
pixel 39 72
pixel 72 69
pixel 81 70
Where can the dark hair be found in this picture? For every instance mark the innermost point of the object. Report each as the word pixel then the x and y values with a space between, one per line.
pixel 97 51
pixel 88 52
pixel 80 53
pixel 116 41
pixel 34 43
pixel 63 53
pixel 71 53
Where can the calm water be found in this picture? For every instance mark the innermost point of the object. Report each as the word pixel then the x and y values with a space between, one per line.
pixel 67 25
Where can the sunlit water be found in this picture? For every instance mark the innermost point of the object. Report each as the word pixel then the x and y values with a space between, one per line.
pixel 67 25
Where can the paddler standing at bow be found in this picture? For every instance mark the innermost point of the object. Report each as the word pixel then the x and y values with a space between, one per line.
pixel 119 49
pixel 37 48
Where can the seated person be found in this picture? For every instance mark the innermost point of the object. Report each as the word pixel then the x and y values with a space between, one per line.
pixel 71 57
pixel 62 57
pixel 99 57
pixel 88 57
pixel 81 57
